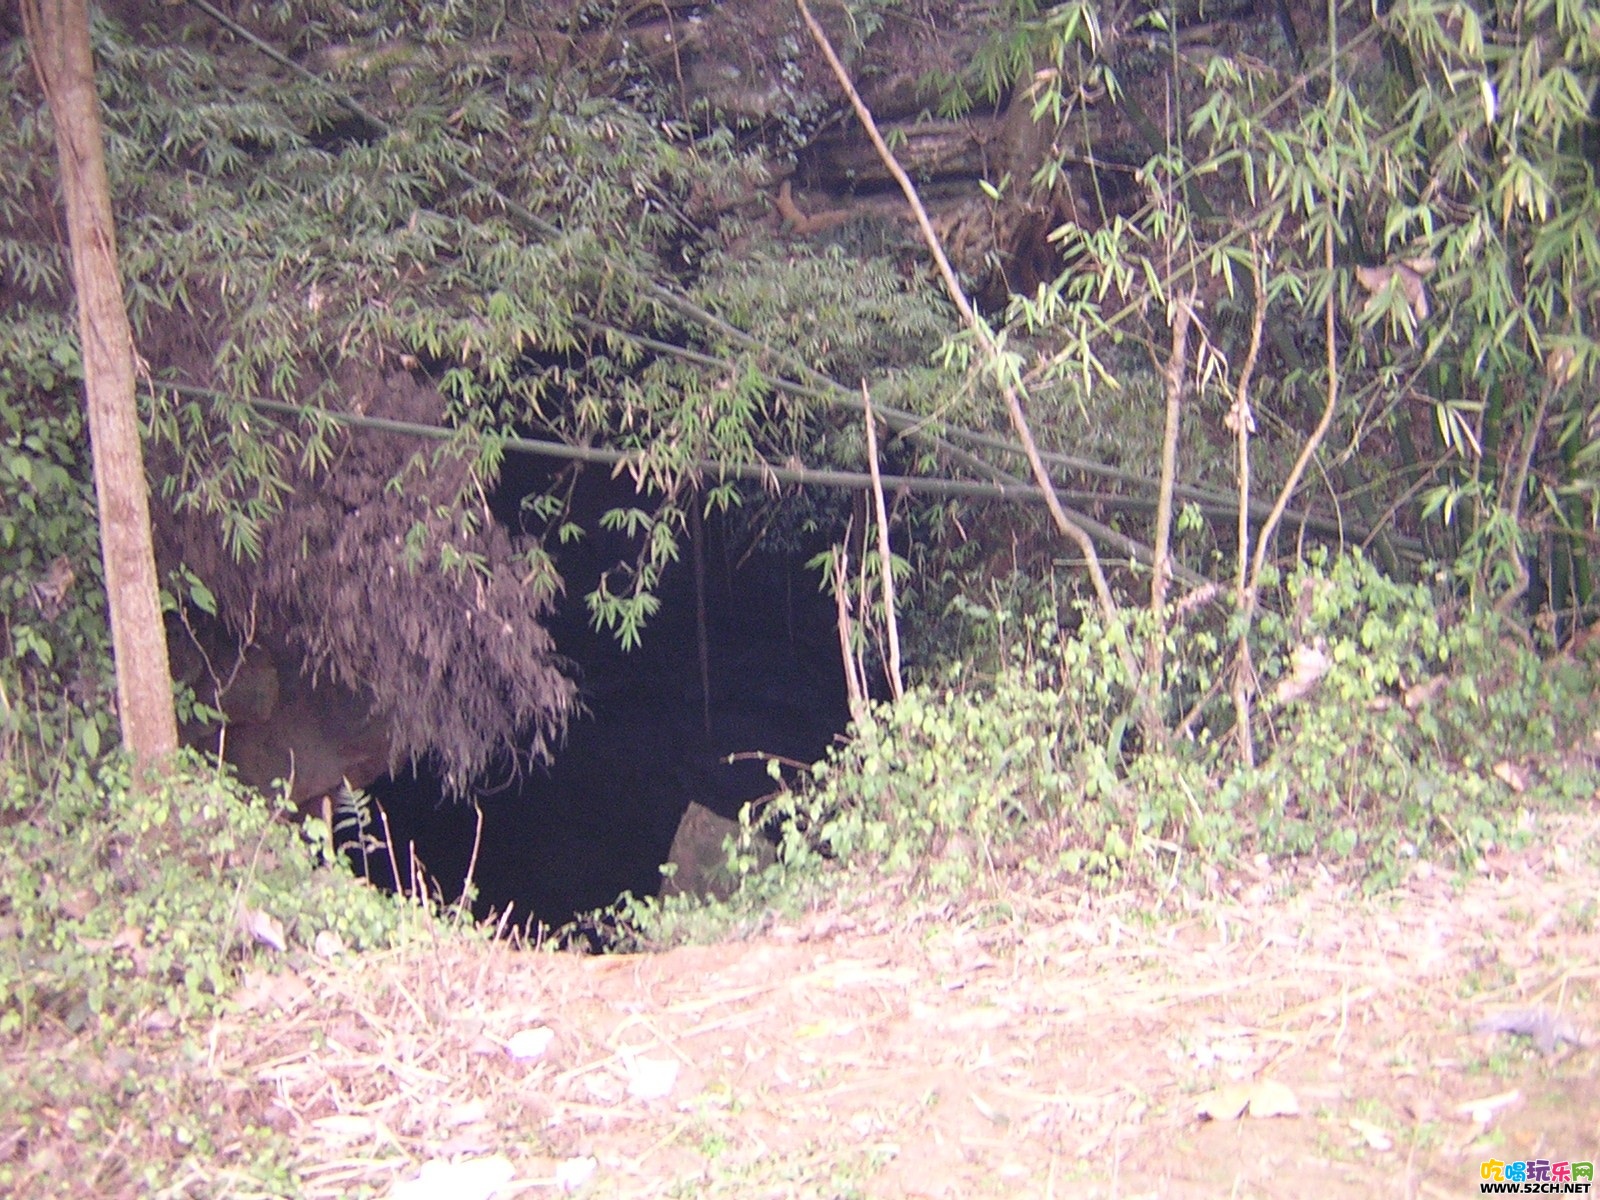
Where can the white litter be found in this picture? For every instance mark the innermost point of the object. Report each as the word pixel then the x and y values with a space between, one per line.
pixel 651 1078
pixel 469 1179
pixel 575 1172
pixel 526 1045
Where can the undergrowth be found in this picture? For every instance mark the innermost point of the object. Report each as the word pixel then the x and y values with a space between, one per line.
pixel 142 905
pixel 1427 730
pixel 128 916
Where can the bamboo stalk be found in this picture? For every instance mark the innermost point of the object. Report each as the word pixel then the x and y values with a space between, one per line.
pixel 762 472
pixel 891 624
pixel 1243 421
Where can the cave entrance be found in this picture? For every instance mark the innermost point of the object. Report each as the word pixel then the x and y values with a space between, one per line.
pixel 561 840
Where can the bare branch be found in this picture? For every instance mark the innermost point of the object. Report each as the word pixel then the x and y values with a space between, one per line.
pixel 980 329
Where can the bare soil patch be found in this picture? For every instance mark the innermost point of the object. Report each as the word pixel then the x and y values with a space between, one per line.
pixel 1051 1045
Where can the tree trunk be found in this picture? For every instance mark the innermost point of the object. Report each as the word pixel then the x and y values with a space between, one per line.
pixel 58 31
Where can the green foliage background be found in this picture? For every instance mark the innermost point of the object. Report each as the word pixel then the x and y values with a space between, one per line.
pixel 551 241
pixel 1407 216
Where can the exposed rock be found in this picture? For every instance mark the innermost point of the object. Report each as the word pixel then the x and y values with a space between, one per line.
pixel 697 853
pixel 278 723
pixel 351 579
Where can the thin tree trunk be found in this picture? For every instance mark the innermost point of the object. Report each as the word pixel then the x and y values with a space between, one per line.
pixel 58 31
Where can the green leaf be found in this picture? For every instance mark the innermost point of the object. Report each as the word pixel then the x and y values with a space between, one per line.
pixel 89 736
pixel 201 597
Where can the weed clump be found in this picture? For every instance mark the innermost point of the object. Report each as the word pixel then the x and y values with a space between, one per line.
pixel 127 904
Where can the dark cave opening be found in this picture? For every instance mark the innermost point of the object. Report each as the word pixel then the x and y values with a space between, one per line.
pixel 564 839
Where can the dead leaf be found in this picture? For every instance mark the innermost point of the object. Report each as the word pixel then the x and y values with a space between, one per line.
pixel 651 1078
pixel 603 1089
pixel 131 942
pixel 1375 1136
pixel 1547 1028
pixel 343 1031
pixel 529 1045
pixel 327 944
pixel 288 991
pixel 50 592
pixel 471 1139
pixel 1224 1103
pixel 1308 663
pixel 263 927
pixel 466 1113
pixel 1269 1098
pixel 259 989
pixel 1418 694
pixel 1422 1109
pixel 1239 414
pixel 1263 1098
pixel 347 1126
pixel 574 1173
pixel 1483 1109
pixel 1561 365
pixel 1415 290
pixel 1513 776
pixel 986 1110
pixel 252 992
pixel 78 905
pixel 1406 275
pixel 1373 278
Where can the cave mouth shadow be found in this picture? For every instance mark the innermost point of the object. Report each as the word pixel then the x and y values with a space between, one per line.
pixel 563 840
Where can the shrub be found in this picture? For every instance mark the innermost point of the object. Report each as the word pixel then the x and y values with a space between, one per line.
pixel 1426 733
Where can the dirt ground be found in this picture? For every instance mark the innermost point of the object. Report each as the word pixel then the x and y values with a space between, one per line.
pixel 1028 1046
pixel 1058 1046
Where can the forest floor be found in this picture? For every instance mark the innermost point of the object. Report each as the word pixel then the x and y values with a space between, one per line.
pixel 1048 1045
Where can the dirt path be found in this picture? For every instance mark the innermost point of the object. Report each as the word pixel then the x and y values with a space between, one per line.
pixel 927 1054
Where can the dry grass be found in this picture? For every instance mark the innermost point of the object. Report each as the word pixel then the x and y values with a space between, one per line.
pixel 1054 1044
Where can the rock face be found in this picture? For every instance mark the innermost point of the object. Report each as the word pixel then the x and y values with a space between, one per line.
pixel 456 665
pixel 278 723
pixel 698 855
pixel 318 736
